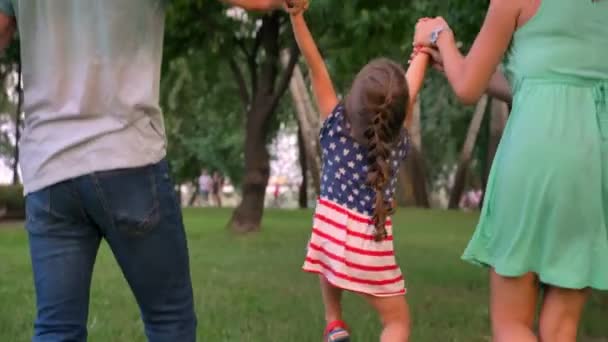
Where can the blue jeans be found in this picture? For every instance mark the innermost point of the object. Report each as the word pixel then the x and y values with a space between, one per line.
pixel 136 211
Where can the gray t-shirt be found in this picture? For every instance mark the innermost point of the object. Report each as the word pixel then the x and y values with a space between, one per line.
pixel 91 74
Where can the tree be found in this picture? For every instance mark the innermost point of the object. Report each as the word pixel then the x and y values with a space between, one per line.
pixel 235 39
pixel 203 123
pixel 303 192
pixel 416 166
pixel 467 153
pixel 233 55
pixel 499 113
pixel 308 125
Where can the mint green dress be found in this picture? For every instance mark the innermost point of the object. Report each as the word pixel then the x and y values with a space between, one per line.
pixel 546 203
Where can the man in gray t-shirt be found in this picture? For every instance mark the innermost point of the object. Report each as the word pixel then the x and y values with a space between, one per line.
pixel 92 160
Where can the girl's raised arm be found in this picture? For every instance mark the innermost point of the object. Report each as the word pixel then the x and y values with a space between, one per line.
pixel 322 85
pixel 415 78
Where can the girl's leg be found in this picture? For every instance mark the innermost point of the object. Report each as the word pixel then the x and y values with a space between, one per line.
pixel 395 315
pixel 561 313
pixel 332 300
pixel 513 303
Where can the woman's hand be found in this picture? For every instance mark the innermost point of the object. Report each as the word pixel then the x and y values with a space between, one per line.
pixel 425 28
pixel 295 7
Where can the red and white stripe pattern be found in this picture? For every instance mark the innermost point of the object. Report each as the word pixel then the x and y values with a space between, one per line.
pixel 342 249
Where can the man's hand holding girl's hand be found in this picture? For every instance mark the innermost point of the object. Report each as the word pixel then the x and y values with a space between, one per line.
pixel 295 7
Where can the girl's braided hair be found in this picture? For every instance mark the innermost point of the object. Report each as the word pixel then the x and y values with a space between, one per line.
pixel 376 108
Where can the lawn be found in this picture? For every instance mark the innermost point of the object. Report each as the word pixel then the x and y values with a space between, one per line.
pixel 251 288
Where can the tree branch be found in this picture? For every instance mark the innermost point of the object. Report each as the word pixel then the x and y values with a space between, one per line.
pixel 251 62
pixel 269 67
pixel 294 55
pixel 240 80
pixel 250 57
pixel 241 44
pixel 257 42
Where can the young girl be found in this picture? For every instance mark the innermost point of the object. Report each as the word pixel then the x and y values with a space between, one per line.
pixel 363 141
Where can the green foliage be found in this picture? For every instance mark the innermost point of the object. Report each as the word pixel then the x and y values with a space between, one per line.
pixel 204 121
pixel 12 200
pixel 202 93
pixel 205 115
pixel 8 101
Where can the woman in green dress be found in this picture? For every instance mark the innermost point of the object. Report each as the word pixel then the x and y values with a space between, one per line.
pixel 545 214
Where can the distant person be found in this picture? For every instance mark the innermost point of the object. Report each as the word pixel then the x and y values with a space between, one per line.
pixel 216 188
pixel 544 223
pixel 277 194
pixel 205 186
pixel 470 200
pixel 93 161
pixel 363 140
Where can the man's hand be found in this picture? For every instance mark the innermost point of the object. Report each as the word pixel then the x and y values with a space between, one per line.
pixel 296 7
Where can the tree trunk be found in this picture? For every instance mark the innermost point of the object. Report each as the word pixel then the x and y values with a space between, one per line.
pixel 499 114
pixel 19 90
pixel 467 153
pixel 417 171
pixel 248 215
pixel 405 193
pixel 194 194
pixel 415 130
pixel 303 195
pixel 266 91
pixel 178 194
pixel 308 122
pixel 414 168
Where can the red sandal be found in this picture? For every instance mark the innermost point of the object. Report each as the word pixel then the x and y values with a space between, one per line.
pixel 336 331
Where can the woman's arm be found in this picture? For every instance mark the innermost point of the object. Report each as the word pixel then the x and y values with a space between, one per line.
pixel 498 87
pixel 470 75
pixel 322 85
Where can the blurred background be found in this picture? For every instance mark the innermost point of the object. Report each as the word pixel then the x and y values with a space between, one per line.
pixel 243 135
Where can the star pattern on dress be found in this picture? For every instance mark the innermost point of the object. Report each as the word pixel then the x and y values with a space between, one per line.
pixel 344 175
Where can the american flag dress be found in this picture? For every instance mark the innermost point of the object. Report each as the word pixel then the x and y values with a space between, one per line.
pixel 342 246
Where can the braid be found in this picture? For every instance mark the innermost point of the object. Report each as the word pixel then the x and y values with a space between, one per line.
pixel 375 108
pixel 379 150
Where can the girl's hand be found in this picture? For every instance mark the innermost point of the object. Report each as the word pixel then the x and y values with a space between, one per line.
pixel 415 52
pixel 425 28
pixel 436 60
pixel 295 7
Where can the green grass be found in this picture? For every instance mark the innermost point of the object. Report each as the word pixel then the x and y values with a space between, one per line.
pixel 251 288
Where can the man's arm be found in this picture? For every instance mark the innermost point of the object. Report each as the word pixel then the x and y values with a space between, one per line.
pixel 7 30
pixel 256 5
pixel 500 88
